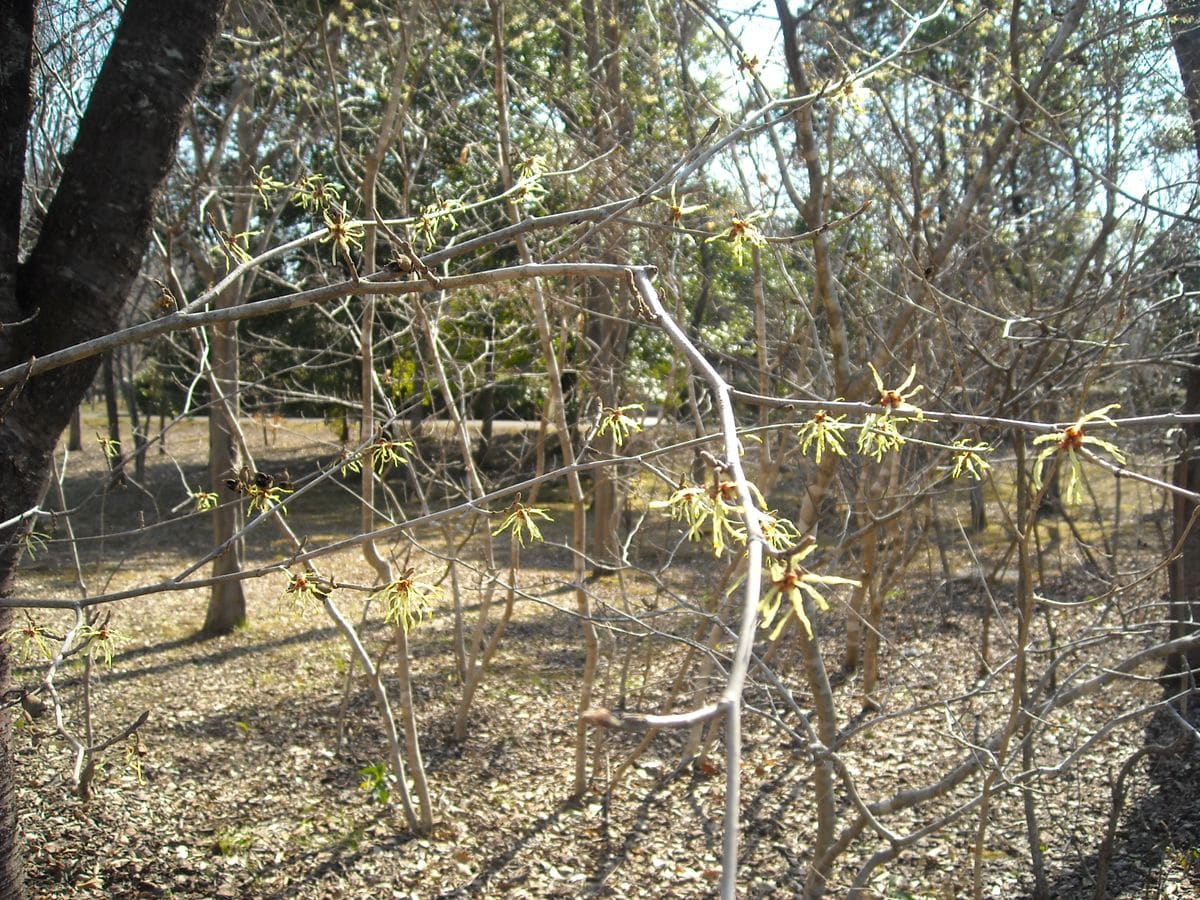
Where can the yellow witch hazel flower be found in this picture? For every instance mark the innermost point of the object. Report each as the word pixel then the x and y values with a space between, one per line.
pixel 968 459
pixel 30 641
pixel 896 400
pixel 315 193
pixel 791 581
pixel 616 419
pixel 387 453
pixel 676 210
pixel 1069 442
pixel 742 231
pixel 434 215
pixel 406 601
pixel 265 184
pixel 879 433
pixel 691 504
pixel 102 639
pixel 777 531
pixel 824 432
pixel 234 248
pixel 306 590
pixel 341 234
pixel 530 174
pixel 521 521
pixel 205 500
pixel 698 505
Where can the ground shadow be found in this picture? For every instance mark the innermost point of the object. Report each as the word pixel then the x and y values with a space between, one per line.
pixel 1156 846
pixel 117 673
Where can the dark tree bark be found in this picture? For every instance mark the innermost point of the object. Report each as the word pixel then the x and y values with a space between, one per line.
pixel 75 431
pixel 16 55
pixel 73 283
pixel 1184 20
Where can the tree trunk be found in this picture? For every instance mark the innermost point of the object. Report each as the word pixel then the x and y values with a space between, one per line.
pixel 487 404
pixel 16 44
pixel 606 345
pixel 74 282
pixel 75 433
pixel 136 423
pixel 227 452
pixel 113 449
pixel 227 602
pixel 607 332
pixel 978 508
pixel 1184 573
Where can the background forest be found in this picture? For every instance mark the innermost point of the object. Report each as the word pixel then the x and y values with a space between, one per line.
pixel 609 448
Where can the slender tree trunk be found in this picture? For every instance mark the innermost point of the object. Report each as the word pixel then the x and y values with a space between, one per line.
pixel 1184 572
pixel 227 602
pixel 116 454
pixel 487 406
pixel 558 403
pixel 978 508
pixel 136 423
pixel 607 333
pixel 606 348
pixel 75 435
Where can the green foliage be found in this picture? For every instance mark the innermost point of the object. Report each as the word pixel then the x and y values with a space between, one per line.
pixel 234 840
pixel 377 781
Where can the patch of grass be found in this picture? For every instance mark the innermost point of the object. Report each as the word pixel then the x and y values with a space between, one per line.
pixel 233 841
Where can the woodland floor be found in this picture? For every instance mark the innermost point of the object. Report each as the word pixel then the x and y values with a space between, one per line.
pixel 242 793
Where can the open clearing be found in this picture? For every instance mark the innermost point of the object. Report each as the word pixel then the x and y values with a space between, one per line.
pixel 237 788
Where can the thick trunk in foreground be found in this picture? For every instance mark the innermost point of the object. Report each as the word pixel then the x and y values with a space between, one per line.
pixel 1184 572
pixel 16 46
pixel 74 282
pixel 1184 21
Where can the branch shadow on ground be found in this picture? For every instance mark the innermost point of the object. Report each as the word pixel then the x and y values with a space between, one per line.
pixel 1156 850
pixel 350 849
pixel 119 673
